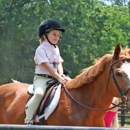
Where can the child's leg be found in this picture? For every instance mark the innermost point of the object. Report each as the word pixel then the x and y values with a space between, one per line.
pixel 40 88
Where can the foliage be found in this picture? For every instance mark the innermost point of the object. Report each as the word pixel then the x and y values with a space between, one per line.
pixel 92 30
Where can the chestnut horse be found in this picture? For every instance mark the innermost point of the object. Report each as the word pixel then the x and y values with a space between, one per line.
pixel 88 95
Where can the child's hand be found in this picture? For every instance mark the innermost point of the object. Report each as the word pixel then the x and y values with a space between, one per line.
pixel 62 79
pixel 67 78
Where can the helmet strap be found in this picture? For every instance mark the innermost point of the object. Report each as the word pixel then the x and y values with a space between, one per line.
pixel 49 41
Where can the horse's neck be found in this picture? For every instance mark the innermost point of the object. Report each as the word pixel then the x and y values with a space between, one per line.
pixel 92 95
pixel 86 95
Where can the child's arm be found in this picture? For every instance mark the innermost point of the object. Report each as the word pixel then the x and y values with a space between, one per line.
pixel 53 73
pixel 60 69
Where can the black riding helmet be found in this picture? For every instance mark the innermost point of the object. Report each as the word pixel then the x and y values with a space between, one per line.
pixel 48 25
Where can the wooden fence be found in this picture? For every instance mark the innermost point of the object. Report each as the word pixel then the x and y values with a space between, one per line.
pixel 124 117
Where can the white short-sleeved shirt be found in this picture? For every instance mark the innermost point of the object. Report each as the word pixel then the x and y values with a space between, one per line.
pixel 46 53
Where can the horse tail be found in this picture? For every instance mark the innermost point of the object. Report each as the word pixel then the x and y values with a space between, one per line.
pixel 15 81
pixel 115 122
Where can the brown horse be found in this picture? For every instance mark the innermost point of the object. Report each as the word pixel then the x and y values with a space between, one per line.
pixel 88 93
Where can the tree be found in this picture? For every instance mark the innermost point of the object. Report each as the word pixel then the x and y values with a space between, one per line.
pixel 92 30
pixel 115 2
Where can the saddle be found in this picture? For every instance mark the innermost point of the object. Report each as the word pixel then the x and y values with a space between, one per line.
pixel 47 105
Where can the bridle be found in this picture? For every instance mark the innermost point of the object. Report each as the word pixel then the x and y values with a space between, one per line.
pixel 121 92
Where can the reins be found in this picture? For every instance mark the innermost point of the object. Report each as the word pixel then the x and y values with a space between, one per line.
pixel 85 106
pixel 124 98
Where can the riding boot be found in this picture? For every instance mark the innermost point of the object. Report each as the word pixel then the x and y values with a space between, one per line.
pixel 31 122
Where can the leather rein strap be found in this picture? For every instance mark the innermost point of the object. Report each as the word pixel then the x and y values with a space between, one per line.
pixel 85 106
pixel 122 93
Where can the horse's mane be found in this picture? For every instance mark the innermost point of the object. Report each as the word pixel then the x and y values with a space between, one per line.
pixel 87 75
pixel 126 52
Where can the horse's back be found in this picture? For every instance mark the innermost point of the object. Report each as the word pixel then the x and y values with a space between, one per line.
pixel 13 97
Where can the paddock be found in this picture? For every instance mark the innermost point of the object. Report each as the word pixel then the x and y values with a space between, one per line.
pixel 34 127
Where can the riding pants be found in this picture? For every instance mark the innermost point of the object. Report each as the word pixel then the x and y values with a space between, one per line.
pixel 40 88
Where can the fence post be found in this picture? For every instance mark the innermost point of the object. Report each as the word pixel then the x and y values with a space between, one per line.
pixel 122 117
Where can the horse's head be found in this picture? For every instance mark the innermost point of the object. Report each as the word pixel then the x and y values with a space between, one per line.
pixel 120 70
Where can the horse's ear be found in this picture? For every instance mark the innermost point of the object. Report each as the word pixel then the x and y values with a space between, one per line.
pixel 117 51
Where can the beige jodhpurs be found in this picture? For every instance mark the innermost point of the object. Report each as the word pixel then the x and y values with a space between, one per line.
pixel 40 88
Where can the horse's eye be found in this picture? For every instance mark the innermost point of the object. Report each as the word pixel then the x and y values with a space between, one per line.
pixel 118 73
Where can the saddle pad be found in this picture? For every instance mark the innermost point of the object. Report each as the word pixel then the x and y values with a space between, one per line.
pixel 51 107
pixel 30 89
